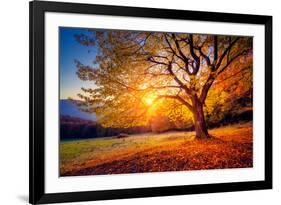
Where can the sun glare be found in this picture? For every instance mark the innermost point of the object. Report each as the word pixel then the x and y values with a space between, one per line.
pixel 148 101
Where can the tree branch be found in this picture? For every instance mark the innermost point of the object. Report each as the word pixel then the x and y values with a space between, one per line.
pixel 232 75
pixel 194 56
pixel 181 84
pixel 151 59
pixel 139 44
pixel 245 51
pixel 208 61
pixel 206 88
pixel 179 49
pixel 213 76
pixel 215 48
pixel 225 52
pixel 171 48
pixel 177 97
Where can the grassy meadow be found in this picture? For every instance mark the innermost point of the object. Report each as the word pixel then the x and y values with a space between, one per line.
pixel 130 100
pixel 230 147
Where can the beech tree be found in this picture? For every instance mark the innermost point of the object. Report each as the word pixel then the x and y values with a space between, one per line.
pixel 140 74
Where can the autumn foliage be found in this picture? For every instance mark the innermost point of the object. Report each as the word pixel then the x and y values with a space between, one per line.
pixel 184 77
pixel 172 151
pixel 188 96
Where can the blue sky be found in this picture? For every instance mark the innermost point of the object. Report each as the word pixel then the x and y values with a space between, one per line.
pixel 71 50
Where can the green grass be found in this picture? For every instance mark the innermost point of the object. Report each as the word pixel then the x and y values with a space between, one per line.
pixel 84 154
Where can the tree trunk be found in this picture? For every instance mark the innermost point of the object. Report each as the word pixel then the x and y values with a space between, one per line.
pixel 199 121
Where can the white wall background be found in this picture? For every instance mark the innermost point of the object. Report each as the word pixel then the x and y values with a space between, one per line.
pixel 14 43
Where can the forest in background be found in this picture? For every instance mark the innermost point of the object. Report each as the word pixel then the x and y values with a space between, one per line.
pixel 162 101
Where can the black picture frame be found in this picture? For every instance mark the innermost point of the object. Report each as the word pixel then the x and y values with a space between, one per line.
pixel 37 194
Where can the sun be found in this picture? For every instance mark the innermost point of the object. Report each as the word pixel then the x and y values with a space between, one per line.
pixel 149 101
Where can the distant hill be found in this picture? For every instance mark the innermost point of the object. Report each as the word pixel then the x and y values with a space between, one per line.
pixel 68 108
pixel 72 128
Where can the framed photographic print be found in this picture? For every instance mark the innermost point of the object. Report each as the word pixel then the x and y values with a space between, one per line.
pixel 140 102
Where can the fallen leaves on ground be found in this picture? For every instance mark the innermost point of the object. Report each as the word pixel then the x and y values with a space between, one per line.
pixel 230 147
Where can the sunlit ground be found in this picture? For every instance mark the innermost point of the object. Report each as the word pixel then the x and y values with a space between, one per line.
pixel 231 147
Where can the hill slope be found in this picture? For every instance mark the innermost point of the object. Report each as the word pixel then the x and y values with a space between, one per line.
pixel 68 108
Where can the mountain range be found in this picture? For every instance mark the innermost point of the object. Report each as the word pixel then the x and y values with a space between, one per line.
pixel 68 108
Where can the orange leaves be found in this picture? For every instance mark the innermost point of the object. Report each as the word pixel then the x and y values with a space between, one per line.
pixel 133 68
pixel 231 147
